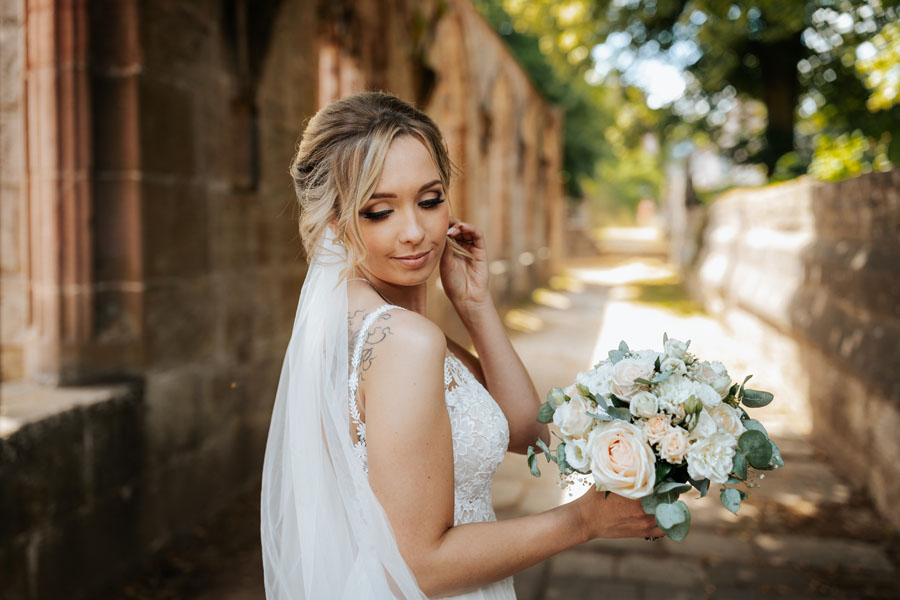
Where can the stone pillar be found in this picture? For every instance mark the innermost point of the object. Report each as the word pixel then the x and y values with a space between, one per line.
pixel 60 211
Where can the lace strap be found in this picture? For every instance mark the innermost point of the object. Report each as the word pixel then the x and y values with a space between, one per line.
pixel 354 363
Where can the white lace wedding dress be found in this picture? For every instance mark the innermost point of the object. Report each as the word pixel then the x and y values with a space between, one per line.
pixel 480 439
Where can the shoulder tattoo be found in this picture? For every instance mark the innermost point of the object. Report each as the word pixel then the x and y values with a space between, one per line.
pixel 377 333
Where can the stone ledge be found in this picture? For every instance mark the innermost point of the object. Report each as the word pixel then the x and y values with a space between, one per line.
pixel 23 404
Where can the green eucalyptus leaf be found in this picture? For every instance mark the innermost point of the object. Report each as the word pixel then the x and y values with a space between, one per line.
pixel 623 347
pixel 776 462
pixel 756 425
pixel 660 377
pixel 642 381
pixel 702 485
pixel 732 480
pixel 674 519
pixel 564 466
pixel 545 414
pixel 601 416
pixel 649 503
pixel 623 414
pixel 756 446
pixel 657 366
pixel 662 469
pixel 616 355
pixel 543 446
pixel 674 487
pixel 756 398
pixel 665 338
pixel 618 402
pixel 532 462
pixel 731 499
pixel 740 465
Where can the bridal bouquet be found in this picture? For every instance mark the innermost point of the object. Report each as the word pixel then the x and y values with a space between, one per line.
pixel 652 425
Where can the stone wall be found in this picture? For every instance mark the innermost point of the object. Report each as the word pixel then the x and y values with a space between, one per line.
pixel 13 305
pixel 151 265
pixel 819 265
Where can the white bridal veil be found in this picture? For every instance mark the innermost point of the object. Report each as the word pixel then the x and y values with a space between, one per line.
pixel 323 532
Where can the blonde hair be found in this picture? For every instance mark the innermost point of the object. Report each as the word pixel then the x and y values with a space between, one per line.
pixel 340 159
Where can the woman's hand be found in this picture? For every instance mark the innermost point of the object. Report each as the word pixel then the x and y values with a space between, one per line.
pixel 615 516
pixel 465 281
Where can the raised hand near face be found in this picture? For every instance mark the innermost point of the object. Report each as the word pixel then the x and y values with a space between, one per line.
pixel 465 280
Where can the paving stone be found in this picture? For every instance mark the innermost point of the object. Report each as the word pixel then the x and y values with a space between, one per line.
pixel 822 552
pixel 654 592
pixel 714 547
pixel 670 571
pixel 578 562
pixel 586 587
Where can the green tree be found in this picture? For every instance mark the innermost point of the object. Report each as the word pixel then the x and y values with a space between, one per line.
pixel 787 55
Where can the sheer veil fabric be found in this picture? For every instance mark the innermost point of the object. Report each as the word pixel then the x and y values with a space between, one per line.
pixel 323 532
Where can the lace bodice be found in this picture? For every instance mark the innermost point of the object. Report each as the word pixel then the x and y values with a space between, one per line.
pixel 479 429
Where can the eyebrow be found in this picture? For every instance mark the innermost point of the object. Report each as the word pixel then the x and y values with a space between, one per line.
pixel 421 189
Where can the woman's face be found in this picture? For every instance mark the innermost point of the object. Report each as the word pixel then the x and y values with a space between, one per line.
pixel 404 224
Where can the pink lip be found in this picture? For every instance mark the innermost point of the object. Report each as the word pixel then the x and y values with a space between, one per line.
pixel 414 260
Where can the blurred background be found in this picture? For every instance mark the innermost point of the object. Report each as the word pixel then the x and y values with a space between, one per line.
pixel 724 171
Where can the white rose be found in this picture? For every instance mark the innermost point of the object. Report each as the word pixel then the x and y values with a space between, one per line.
pixel 676 365
pixel 705 427
pixel 675 348
pixel 644 404
pixel 621 461
pixel 596 380
pixel 572 418
pixel 576 454
pixel 673 446
pixel 625 372
pixel 711 458
pixel 655 428
pixel 706 394
pixel 648 357
pixel 728 419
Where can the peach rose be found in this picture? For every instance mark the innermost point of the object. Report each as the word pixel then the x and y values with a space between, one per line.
pixel 655 428
pixel 673 446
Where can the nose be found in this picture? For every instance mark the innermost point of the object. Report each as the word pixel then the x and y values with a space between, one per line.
pixel 412 232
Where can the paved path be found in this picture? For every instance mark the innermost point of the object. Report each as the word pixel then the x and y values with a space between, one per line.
pixel 802 534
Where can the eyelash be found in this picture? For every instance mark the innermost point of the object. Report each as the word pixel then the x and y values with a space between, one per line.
pixel 427 204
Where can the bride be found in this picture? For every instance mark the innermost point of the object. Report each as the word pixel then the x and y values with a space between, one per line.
pixel 385 434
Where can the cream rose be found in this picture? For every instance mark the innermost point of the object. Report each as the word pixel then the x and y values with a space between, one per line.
pixel 655 428
pixel 728 419
pixel 713 374
pixel 572 418
pixel 711 458
pixel 625 372
pixel 596 380
pixel 644 404
pixel 705 426
pixel 676 365
pixel 576 454
pixel 675 348
pixel 673 446
pixel 621 461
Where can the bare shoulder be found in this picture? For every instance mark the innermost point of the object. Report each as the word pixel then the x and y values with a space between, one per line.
pixel 399 345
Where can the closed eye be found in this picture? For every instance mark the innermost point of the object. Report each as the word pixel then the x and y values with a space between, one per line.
pixel 378 215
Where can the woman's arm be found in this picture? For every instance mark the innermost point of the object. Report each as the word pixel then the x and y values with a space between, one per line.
pixel 505 375
pixel 465 282
pixel 410 459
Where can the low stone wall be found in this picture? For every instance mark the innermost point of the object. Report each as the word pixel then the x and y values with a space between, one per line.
pixel 819 264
